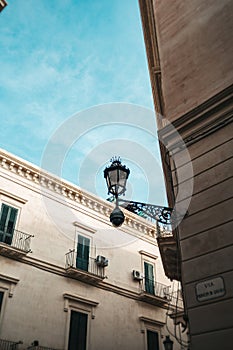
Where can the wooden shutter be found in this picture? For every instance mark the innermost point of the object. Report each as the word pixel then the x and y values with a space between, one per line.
pixel 149 278
pixel 78 331
pixel 83 253
pixel 1 299
pixel 152 340
pixel 8 218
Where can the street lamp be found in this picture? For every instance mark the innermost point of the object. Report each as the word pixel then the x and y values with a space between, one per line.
pixel 116 176
pixel 3 4
pixel 168 343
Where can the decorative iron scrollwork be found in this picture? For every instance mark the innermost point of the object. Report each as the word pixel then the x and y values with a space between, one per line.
pixel 155 212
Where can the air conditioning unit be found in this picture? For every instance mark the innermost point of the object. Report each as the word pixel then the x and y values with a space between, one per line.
pixel 137 275
pixel 101 261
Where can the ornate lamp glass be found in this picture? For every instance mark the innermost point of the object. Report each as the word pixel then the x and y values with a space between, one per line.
pixel 168 343
pixel 116 176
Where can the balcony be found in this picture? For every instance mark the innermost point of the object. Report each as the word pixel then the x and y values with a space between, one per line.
pixel 85 270
pixel 154 292
pixel 169 253
pixel 9 345
pixel 176 300
pixel 15 244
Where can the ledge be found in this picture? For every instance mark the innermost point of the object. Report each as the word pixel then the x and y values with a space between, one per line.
pixel 12 196
pixel 199 122
pixel 151 321
pixel 149 255
pixel 11 281
pixel 80 299
pixel 11 252
pixel 152 299
pixel 84 227
pixel 80 302
pixel 83 276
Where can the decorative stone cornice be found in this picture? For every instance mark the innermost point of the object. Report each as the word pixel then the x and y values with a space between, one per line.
pixel 151 42
pixel 10 195
pixel 200 122
pixel 48 182
pixel 11 282
pixel 61 271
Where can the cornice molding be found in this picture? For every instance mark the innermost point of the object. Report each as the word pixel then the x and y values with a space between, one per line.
pixel 84 227
pixel 11 282
pixel 147 12
pixel 12 196
pixel 149 255
pixel 50 183
pixel 77 298
pixel 151 321
pixel 89 305
pixel 9 279
pixel 61 271
pixel 200 122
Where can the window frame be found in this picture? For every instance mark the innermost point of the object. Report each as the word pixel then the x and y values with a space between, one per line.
pixel 82 261
pixel 5 233
pixel 153 280
pixel 148 258
pixel 7 286
pixel 3 305
pixel 148 329
pixel 148 324
pixel 13 201
pixel 86 232
pixel 82 305
pixel 84 312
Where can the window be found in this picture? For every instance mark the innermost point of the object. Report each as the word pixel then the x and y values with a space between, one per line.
pixel 1 305
pixel 83 250
pixel 1 299
pixel 149 278
pixel 152 330
pixel 8 218
pixel 152 340
pixel 80 313
pixel 78 331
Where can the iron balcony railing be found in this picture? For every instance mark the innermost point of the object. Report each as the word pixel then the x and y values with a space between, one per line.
pixel 164 230
pixel 155 288
pixel 89 265
pixel 9 345
pixel 16 239
pixel 176 299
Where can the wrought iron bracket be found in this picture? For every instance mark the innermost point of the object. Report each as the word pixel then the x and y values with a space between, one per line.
pixel 156 212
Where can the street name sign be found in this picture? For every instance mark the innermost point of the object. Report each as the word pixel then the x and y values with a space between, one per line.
pixel 210 289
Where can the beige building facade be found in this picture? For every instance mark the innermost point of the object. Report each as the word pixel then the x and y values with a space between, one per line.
pixel 190 48
pixel 68 279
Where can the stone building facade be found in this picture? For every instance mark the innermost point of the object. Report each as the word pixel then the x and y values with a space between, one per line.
pixel 190 48
pixel 68 279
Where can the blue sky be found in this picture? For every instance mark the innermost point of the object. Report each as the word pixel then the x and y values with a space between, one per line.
pixel 65 66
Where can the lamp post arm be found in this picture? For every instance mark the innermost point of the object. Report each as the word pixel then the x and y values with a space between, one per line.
pixel 156 212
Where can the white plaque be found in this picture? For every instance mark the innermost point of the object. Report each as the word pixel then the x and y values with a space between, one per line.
pixel 210 289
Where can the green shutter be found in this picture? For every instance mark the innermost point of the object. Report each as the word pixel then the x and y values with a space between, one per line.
pixel 8 218
pixel 78 331
pixel 1 299
pixel 152 340
pixel 83 249
pixel 149 278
